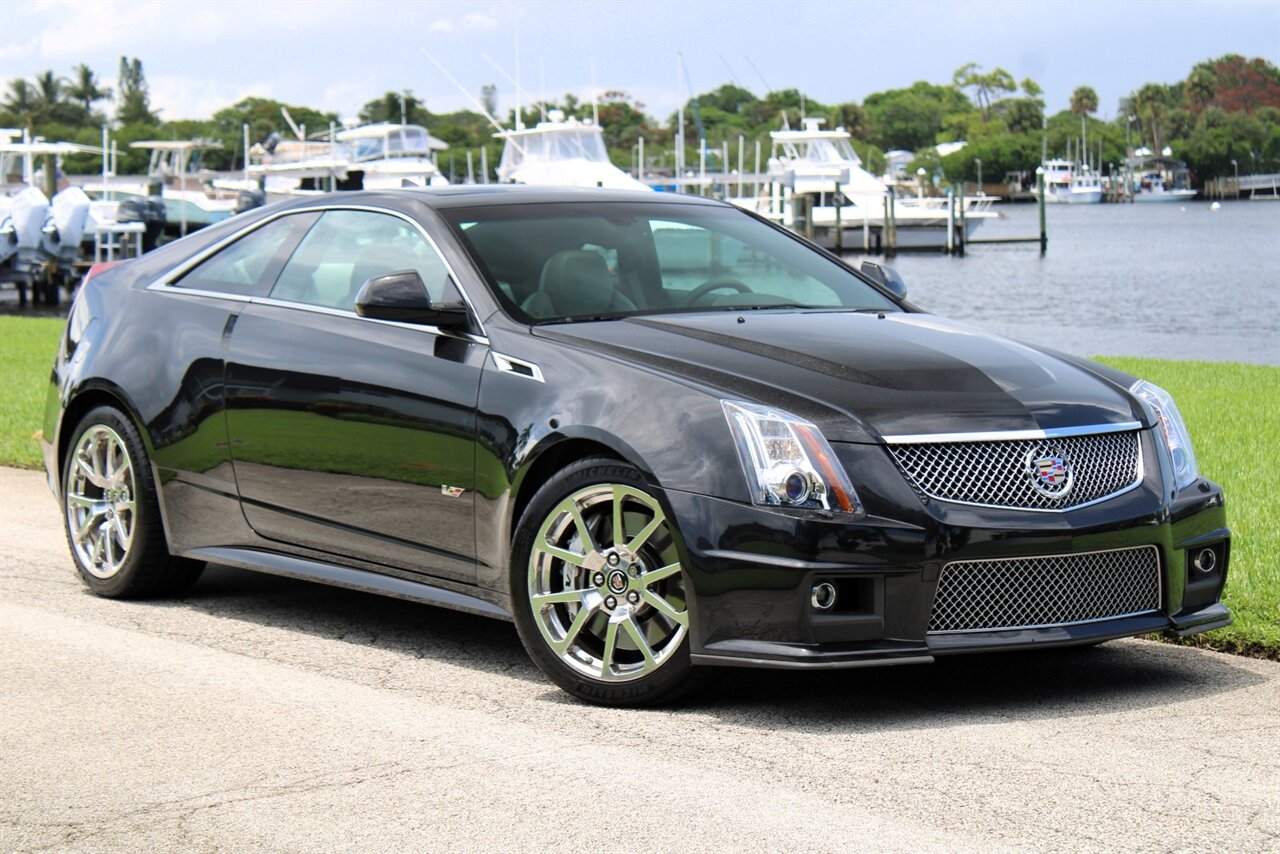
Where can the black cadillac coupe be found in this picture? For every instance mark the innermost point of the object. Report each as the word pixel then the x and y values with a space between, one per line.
pixel 657 433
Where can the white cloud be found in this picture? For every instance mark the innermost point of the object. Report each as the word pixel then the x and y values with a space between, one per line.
pixel 183 97
pixel 442 25
pixel 479 21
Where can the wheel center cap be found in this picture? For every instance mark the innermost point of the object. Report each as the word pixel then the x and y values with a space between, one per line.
pixel 617 581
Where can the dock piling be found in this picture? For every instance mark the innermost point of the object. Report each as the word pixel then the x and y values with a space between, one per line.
pixel 839 225
pixel 1044 236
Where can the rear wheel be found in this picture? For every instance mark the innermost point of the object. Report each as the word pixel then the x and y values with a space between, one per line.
pixel 598 588
pixel 112 514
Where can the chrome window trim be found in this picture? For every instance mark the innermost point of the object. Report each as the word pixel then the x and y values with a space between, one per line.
pixel 1160 574
pixel 166 281
pixel 508 364
pixel 339 312
pixel 1008 435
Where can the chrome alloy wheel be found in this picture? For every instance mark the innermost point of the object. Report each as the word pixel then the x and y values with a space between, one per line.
pixel 101 501
pixel 605 584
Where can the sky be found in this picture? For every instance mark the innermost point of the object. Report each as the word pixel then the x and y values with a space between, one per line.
pixel 335 55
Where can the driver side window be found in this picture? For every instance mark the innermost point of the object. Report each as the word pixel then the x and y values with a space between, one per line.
pixel 713 268
pixel 346 248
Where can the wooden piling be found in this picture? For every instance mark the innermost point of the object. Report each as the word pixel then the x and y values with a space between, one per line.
pixel 839 225
pixel 1044 236
pixel 949 247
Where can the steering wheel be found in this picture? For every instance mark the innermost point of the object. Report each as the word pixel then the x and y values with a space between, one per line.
pixel 714 285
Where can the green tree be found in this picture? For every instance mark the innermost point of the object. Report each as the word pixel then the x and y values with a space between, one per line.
pixel 22 102
pixel 85 89
pixel 489 98
pixel 1150 103
pixel 852 117
pixel 134 104
pixel 1201 86
pixel 985 86
pixel 912 118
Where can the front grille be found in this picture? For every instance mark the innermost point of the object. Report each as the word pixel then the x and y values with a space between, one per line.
pixel 1028 592
pixel 1003 473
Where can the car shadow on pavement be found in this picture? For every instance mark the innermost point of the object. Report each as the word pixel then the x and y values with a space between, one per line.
pixel 1118 677
pixel 408 628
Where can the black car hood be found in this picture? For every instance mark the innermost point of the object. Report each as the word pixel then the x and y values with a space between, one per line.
pixel 863 376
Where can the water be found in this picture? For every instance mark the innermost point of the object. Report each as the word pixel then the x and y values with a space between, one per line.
pixel 1162 280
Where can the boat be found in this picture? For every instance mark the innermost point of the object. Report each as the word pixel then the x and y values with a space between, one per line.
pixel 823 165
pixel 1159 179
pixel 560 152
pixel 192 200
pixel 379 156
pixel 1067 182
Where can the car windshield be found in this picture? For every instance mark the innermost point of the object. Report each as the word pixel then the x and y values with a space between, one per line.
pixel 561 262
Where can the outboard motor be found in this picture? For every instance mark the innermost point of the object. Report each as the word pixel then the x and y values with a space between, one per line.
pixel 269 144
pixel 8 241
pixel 149 211
pixel 247 200
pixel 69 214
pixel 27 214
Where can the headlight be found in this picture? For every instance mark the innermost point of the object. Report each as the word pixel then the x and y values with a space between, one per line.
pixel 1172 430
pixel 787 461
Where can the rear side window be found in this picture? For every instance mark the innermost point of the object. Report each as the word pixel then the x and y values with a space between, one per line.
pixel 249 266
pixel 347 248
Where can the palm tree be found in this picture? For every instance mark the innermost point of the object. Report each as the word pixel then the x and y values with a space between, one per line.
pixel 1201 85
pixel 84 88
pixel 21 101
pixel 48 91
pixel 1084 101
pixel 1150 103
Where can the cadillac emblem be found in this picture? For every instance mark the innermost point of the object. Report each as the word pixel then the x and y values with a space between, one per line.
pixel 1050 472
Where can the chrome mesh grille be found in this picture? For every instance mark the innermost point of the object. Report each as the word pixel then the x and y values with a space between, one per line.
pixel 987 595
pixel 1001 473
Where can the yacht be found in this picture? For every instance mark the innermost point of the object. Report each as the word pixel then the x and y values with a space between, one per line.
pixel 1160 179
pixel 814 161
pixel 385 155
pixel 560 152
pixel 1069 183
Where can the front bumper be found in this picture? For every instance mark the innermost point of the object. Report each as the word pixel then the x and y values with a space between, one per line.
pixel 751 570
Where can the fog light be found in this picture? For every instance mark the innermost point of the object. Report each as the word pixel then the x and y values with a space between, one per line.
pixel 1206 561
pixel 823 596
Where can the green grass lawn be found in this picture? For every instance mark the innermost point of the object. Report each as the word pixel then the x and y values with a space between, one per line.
pixel 27 348
pixel 1233 412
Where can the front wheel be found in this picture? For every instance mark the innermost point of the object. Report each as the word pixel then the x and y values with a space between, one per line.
pixel 598 589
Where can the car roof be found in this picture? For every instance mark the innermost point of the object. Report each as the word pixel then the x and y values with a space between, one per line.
pixel 486 195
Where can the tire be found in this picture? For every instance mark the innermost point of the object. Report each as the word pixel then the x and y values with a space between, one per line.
pixel 607 621
pixel 112 515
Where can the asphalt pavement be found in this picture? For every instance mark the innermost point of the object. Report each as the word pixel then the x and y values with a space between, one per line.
pixel 269 714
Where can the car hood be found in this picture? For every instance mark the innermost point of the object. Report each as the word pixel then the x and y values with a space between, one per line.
pixel 862 376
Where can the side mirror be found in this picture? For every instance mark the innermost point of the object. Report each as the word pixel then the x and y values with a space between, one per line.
pixel 403 296
pixel 886 277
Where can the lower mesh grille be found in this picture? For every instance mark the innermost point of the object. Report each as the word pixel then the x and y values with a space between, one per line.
pixel 987 595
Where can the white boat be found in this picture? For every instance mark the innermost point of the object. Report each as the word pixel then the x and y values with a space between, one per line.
pixel 191 198
pixel 1069 183
pixel 370 157
pixel 815 162
pixel 560 152
pixel 385 155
